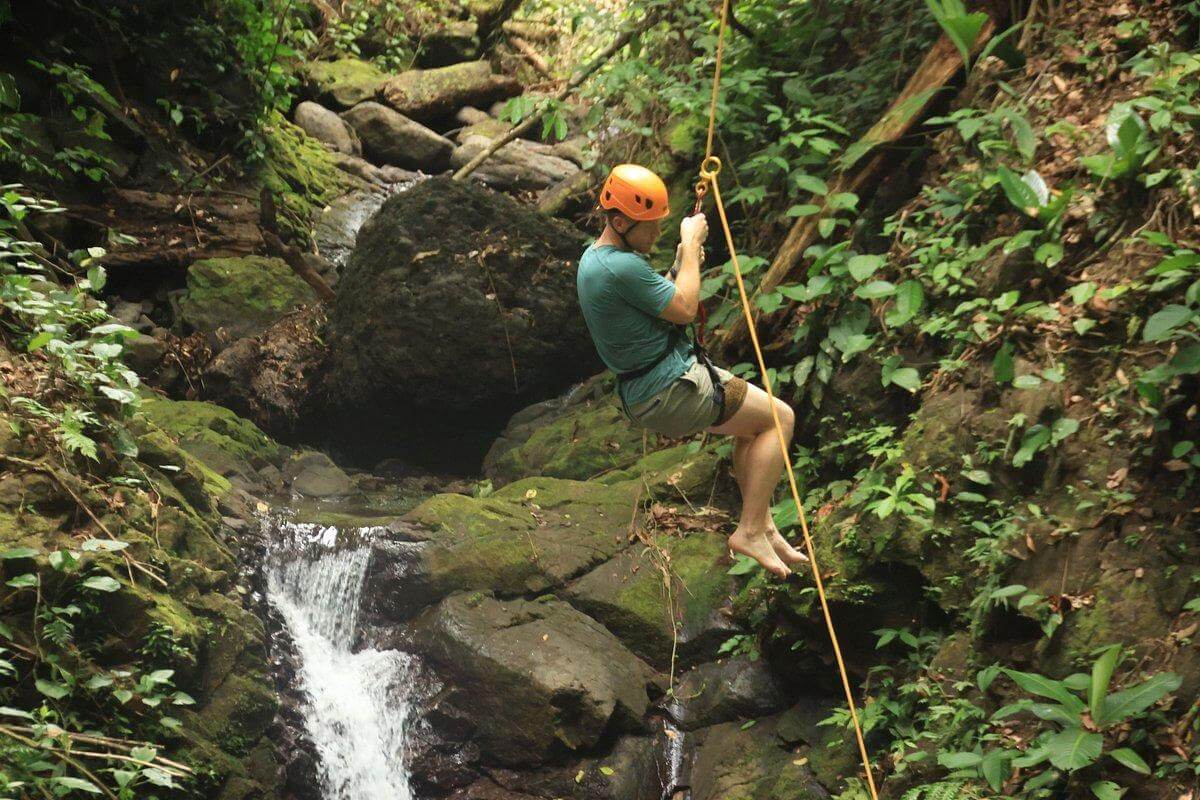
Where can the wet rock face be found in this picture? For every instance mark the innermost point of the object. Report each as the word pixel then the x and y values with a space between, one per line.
pixel 457 305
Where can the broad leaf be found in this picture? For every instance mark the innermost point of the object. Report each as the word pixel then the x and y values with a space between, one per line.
pixel 1128 758
pixel 1102 672
pixel 1123 705
pixel 910 298
pixel 863 267
pixel 1107 790
pixel 1161 323
pixel 1042 686
pixel 1074 748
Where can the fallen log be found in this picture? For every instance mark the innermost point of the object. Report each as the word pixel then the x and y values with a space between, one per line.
pixel 941 63
pixel 578 78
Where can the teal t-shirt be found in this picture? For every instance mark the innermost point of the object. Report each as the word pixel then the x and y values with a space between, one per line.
pixel 621 298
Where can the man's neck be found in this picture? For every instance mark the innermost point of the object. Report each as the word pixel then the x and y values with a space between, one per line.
pixel 611 237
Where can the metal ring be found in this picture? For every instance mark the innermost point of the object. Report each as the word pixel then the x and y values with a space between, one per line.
pixel 710 167
pixel 701 188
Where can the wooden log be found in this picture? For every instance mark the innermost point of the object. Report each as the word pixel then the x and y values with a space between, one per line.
pixel 290 255
pixel 941 63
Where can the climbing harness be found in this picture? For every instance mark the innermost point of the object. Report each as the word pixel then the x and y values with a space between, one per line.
pixel 709 169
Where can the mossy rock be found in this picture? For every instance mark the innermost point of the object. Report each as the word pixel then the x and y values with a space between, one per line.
pixel 191 483
pixel 683 472
pixel 346 82
pixel 227 444
pixel 240 296
pixel 576 439
pixel 630 595
pixel 302 176
pixel 425 94
pixel 528 538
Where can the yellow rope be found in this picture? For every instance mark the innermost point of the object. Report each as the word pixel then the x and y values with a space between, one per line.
pixel 709 169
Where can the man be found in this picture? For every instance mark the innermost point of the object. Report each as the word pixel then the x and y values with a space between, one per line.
pixel 636 319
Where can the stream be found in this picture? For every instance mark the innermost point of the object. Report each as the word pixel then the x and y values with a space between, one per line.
pixel 357 704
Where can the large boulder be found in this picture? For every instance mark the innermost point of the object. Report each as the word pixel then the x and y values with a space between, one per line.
pixel 321 123
pixel 518 165
pixel 457 305
pixel 539 678
pixel 345 82
pixel 427 94
pixel 229 298
pixel 391 138
pixel 733 689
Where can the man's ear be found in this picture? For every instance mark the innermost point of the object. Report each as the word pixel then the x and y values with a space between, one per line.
pixel 620 223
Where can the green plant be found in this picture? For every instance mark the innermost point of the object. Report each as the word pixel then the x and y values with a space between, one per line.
pixel 1080 724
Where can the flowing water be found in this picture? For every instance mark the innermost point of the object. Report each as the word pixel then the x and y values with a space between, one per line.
pixel 357 704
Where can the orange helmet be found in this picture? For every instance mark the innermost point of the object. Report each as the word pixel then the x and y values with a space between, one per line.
pixel 636 192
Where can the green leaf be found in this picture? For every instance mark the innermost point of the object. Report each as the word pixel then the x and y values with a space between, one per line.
pixel 743 565
pixel 863 267
pixel 1131 760
pixel 907 378
pixel 26 581
pixel 1161 323
pixel 1082 292
pixel 10 96
pixel 811 183
pixel 18 552
pixel 1102 672
pixel 1002 365
pixel 1074 748
pixel 979 476
pixel 995 768
pixel 1033 442
pixel 803 210
pixel 77 783
pixel 41 340
pixel 959 760
pixel 875 290
pixel 607 771
pixel 1123 705
pixel 101 583
pixel 961 29
pixel 1019 193
pixel 55 691
pixel 1027 382
pixel 910 299
pixel 1107 790
pixel 1042 686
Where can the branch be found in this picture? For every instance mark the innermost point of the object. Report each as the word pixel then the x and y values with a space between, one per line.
pixel 530 55
pixel 578 78
pixel 291 255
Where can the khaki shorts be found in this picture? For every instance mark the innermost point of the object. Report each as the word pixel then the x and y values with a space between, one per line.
pixel 689 405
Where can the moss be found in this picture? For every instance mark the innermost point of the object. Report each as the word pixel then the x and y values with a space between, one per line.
pixel 238 713
pixel 674 472
pixel 590 439
pixel 192 485
pixel 300 172
pixel 629 597
pixel 242 295
pixel 195 423
pixel 347 81
pixel 514 545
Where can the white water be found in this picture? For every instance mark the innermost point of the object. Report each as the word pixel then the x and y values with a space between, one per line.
pixel 357 703
pixel 674 748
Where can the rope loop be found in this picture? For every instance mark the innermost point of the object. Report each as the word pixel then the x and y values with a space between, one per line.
pixel 710 168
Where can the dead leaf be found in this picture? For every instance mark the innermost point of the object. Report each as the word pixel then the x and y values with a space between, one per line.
pixel 1060 84
pixel 1117 477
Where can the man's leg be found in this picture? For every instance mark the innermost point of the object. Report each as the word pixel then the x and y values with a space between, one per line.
pixel 760 468
pixel 788 554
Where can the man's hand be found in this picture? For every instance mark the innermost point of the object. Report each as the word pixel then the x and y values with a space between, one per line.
pixel 693 231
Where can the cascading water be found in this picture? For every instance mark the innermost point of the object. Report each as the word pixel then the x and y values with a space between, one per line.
pixel 357 703
pixel 673 786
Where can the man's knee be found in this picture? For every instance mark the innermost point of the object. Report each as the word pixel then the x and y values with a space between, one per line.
pixel 787 417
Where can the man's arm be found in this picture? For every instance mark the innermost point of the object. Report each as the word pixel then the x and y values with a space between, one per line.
pixel 686 300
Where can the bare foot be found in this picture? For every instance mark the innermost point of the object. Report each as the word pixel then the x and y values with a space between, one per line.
pixel 787 554
pixel 756 545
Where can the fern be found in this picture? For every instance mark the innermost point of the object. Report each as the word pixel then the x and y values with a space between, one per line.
pixel 942 790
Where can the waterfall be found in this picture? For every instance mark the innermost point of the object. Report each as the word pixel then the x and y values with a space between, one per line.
pixel 357 703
